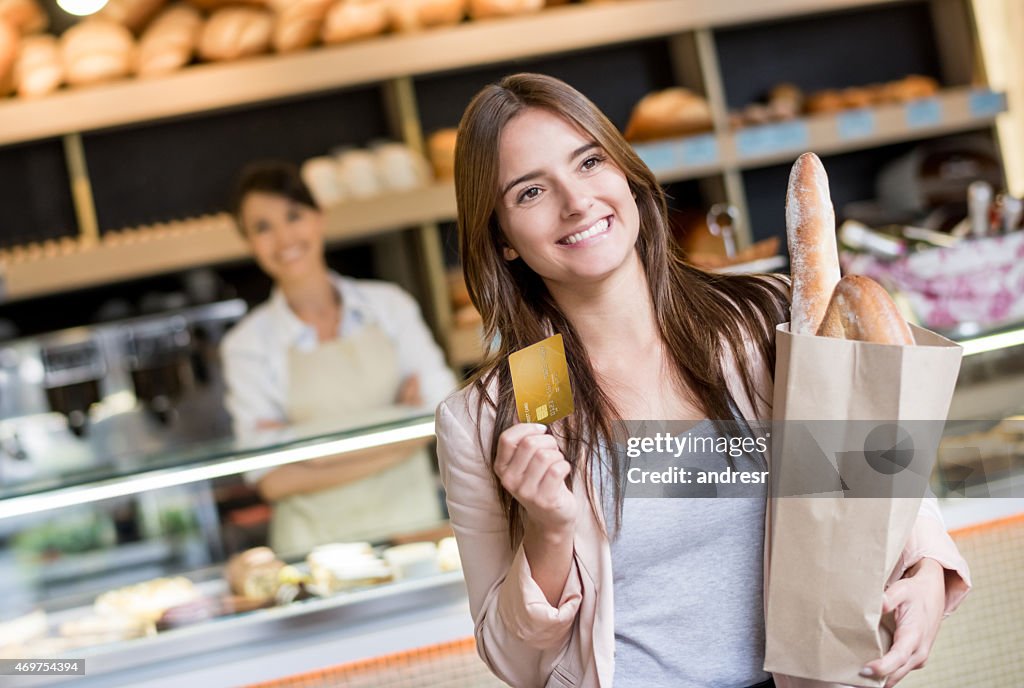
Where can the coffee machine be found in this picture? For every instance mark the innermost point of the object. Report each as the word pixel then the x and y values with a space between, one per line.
pixel 114 394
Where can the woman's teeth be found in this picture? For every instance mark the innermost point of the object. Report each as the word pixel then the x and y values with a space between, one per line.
pixel 290 254
pixel 598 227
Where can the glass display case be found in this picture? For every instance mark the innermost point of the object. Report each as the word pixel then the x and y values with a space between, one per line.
pixel 162 518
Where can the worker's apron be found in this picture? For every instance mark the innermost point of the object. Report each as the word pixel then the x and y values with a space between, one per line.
pixel 352 382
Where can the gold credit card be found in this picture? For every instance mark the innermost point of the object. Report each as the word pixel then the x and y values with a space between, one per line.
pixel 540 377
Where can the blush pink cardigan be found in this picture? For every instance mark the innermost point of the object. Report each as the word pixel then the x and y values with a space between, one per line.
pixel 528 642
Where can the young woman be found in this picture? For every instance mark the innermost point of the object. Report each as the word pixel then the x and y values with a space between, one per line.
pixel 563 230
pixel 326 352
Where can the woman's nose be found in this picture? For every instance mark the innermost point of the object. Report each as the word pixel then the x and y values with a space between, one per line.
pixel 578 198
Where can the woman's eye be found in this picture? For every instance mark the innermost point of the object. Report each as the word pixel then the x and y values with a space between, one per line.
pixel 293 215
pixel 592 162
pixel 528 194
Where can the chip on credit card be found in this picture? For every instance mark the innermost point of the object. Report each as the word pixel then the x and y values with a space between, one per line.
pixel 540 378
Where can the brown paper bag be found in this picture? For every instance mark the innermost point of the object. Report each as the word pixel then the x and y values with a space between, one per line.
pixel 833 547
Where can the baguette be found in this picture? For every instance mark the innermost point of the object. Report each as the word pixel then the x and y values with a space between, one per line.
pixel 170 40
pixel 39 69
pixel 861 309
pixel 811 232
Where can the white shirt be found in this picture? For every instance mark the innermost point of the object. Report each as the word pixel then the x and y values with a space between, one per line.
pixel 255 352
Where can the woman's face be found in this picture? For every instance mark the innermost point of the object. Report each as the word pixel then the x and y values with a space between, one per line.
pixel 287 238
pixel 564 207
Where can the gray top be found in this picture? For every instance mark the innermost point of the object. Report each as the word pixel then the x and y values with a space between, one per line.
pixel 687 574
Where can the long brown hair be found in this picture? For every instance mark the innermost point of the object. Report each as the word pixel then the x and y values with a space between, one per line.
pixel 699 313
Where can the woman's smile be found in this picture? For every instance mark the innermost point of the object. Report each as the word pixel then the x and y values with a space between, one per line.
pixel 589 234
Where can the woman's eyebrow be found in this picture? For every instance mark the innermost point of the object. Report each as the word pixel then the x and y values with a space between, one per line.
pixel 536 173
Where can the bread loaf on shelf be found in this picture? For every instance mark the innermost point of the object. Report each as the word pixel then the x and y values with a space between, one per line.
pixel 861 309
pixel 25 16
pixel 668 113
pixel 235 32
pixel 9 46
pixel 441 148
pixel 39 69
pixel 134 14
pixel 483 9
pixel 321 176
pixel 97 50
pixel 349 20
pixel 298 23
pixel 170 40
pixel 413 15
pixel 811 233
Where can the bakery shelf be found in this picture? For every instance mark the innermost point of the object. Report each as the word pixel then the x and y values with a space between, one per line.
pixel 952 110
pixel 204 241
pixel 209 87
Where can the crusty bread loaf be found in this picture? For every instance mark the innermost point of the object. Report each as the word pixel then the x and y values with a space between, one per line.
pixel 298 23
pixel 170 40
pixel 349 20
pixel 26 16
pixel 9 46
pixel 39 69
pixel 861 309
pixel 412 15
pixel 97 50
pixel 134 14
pixel 482 9
pixel 235 32
pixel 811 233
pixel 441 147
pixel 668 113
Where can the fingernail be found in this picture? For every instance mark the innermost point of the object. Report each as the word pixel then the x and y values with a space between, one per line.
pixel 866 672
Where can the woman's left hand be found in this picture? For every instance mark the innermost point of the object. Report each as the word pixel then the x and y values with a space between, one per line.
pixel 917 601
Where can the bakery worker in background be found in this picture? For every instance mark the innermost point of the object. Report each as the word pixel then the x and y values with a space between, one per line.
pixel 327 352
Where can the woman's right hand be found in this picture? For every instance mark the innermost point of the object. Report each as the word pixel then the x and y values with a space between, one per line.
pixel 532 468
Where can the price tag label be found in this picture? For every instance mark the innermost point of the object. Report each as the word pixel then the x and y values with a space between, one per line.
pixel 699 150
pixel 772 138
pixel 926 112
pixel 986 103
pixel 657 156
pixel 856 124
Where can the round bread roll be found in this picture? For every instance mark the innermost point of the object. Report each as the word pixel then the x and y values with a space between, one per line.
pixel 861 309
pixel 482 9
pixel 39 69
pixel 824 102
pixel 170 40
pixel 349 20
pixel 321 176
pixel 214 5
pixel 235 32
pixel 26 16
pixel 10 42
pixel 298 23
pixel 911 88
pixel 668 113
pixel 357 174
pixel 413 15
pixel 134 14
pixel 399 167
pixel 811 233
pixel 97 50
pixel 239 564
pixel 441 146
pixel 856 98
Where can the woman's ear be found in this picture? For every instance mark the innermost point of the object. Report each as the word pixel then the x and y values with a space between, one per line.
pixel 509 253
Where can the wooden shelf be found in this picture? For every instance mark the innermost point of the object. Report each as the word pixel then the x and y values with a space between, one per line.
pixel 203 241
pixel 212 240
pixel 951 111
pixel 207 87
